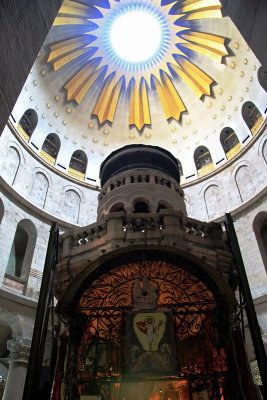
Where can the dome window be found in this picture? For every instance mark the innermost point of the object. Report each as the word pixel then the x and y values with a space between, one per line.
pixel 78 164
pixel 203 161
pixel 28 123
pixel 50 148
pixel 252 117
pixel 230 142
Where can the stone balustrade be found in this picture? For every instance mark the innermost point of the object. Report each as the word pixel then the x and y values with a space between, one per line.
pixel 120 224
pixel 139 177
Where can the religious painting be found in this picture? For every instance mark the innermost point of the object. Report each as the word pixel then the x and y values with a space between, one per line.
pixel 150 343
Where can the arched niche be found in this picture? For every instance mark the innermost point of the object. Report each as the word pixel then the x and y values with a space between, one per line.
pixel 230 142
pixel 11 165
pixel 120 311
pixel 39 189
pixel 203 160
pixel 244 183
pixel 260 230
pixel 21 253
pixel 262 77
pixel 28 123
pixel 117 207
pixel 252 116
pixel 2 210
pixel 264 151
pixel 50 148
pixel 71 206
pixel 164 205
pixel 78 164
pixel 214 202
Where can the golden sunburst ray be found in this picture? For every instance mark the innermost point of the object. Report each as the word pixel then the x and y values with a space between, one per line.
pixel 91 47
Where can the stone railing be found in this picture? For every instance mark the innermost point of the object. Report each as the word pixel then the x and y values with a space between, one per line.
pixel 119 226
pixel 83 236
pixel 142 177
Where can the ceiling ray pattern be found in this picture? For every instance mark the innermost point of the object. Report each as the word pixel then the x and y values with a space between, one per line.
pixel 161 73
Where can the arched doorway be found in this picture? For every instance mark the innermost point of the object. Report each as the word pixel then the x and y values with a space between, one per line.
pixel 150 325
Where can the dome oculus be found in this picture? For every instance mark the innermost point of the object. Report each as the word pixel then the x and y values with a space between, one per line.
pixel 136 35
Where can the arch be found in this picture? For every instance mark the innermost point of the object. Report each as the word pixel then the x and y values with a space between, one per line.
pixel 140 205
pixel 20 257
pixel 260 231
pixel 78 164
pixel 164 205
pixel 264 151
pixel 50 148
pixel 39 189
pixel 214 201
pixel 12 164
pixel 262 77
pixel 5 335
pixel 203 160
pixel 244 183
pixel 12 320
pixel 117 207
pixel 115 283
pixel 229 142
pixel 71 206
pixel 2 210
pixel 252 116
pixel 28 123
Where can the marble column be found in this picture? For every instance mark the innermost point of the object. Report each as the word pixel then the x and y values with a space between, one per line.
pixel 19 349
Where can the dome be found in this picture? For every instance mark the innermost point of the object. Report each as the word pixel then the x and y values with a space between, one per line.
pixel 202 79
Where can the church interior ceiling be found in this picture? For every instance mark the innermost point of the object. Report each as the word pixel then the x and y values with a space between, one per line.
pixel 181 96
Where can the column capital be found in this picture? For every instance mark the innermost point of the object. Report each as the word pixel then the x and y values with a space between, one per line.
pixel 19 348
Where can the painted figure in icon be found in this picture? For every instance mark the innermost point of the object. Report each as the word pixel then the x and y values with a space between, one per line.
pixel 149 328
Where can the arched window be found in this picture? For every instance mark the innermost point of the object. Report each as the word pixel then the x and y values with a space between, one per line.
pixel 71 206
pixel 262 77
pixel 78 164
pixel 140 206
pixel 163 205
pixel 117 207
pixel 230 142
pixel 50 148
pixel 28 123
pixel 203 161
pixel 260 230
pixel 252 116
pixel 180 169
pixel 20 257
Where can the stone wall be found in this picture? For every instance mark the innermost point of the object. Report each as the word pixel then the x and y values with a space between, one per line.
pixel 56 196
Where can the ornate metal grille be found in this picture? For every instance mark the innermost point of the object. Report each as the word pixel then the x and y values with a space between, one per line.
pixel 97 351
